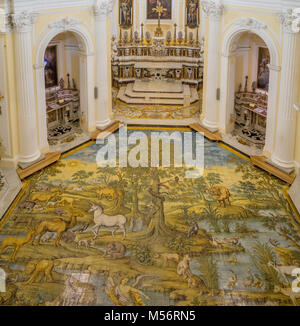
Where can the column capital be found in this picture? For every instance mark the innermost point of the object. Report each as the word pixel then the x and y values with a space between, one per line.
pixel 212 9
pixel 290 21
pixel 24 21
pixel 5 23
pixel 103 8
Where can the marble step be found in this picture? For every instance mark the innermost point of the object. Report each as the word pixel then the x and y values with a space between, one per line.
pixel 158 86
pixel 216 136
pixel 143 101
pixel 261 162
pixel 48 160
pixel 102 134
pixel 191 97
pixel 130 92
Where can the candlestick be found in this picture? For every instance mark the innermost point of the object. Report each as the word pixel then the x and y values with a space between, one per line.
pixel 142 33
pixel 175 33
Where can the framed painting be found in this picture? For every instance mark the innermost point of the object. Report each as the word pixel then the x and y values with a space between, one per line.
pixel 263 74
pixel 125 13
pixel 192 13
pixel 167 4
pixel 50 61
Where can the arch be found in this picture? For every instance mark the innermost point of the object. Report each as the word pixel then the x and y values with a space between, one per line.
pixel 87 67
pixel 258 28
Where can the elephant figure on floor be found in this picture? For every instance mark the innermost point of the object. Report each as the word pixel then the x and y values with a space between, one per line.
pixel 220 194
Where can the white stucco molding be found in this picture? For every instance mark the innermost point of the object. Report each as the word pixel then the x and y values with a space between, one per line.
pixel 296 20
pixel 103 8
pixel 24 21
pixel 212 9
pixel 65 23
pixel 250 23
pixel 290 20
pixel 5 23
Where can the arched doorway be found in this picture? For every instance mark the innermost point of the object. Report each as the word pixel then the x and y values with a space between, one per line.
pixel 251 103
pixel 65 80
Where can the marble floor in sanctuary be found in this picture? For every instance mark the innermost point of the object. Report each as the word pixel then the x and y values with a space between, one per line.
pixel 158 92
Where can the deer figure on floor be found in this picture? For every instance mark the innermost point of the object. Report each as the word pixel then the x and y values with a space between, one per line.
pixel 17 243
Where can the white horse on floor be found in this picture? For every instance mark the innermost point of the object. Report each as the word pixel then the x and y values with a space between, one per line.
pixel 101 219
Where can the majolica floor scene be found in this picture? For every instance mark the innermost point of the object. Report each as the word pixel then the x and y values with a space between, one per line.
pixel 79 234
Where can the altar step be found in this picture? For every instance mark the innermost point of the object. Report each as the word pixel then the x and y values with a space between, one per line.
pixel 129 96
pixel 261 162
pixel 213 136
pixel 48 160
pixel 132 93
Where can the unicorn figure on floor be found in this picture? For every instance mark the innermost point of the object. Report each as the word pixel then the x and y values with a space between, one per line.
pixel 117 222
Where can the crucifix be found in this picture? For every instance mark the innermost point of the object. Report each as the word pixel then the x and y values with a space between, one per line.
pixel 160 10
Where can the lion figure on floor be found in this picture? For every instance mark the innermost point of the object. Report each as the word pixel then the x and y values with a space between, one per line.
pixel 220 194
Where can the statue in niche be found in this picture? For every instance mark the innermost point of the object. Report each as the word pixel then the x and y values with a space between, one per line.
pixel 200 73
pixel 126 13
pixel 114 49
pixel 202 50
pixel 115 70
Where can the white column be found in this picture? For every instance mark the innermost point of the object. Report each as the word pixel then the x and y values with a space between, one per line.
pixel 283 156
pixel 28 135
pixel 214 12
pixel 103 64
pixel 202 24
pixel 227 91
pixel 272 105
pixel 5 137
pixel 41 102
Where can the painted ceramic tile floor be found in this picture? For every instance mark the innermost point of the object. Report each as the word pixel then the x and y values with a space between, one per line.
pixel 214 240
